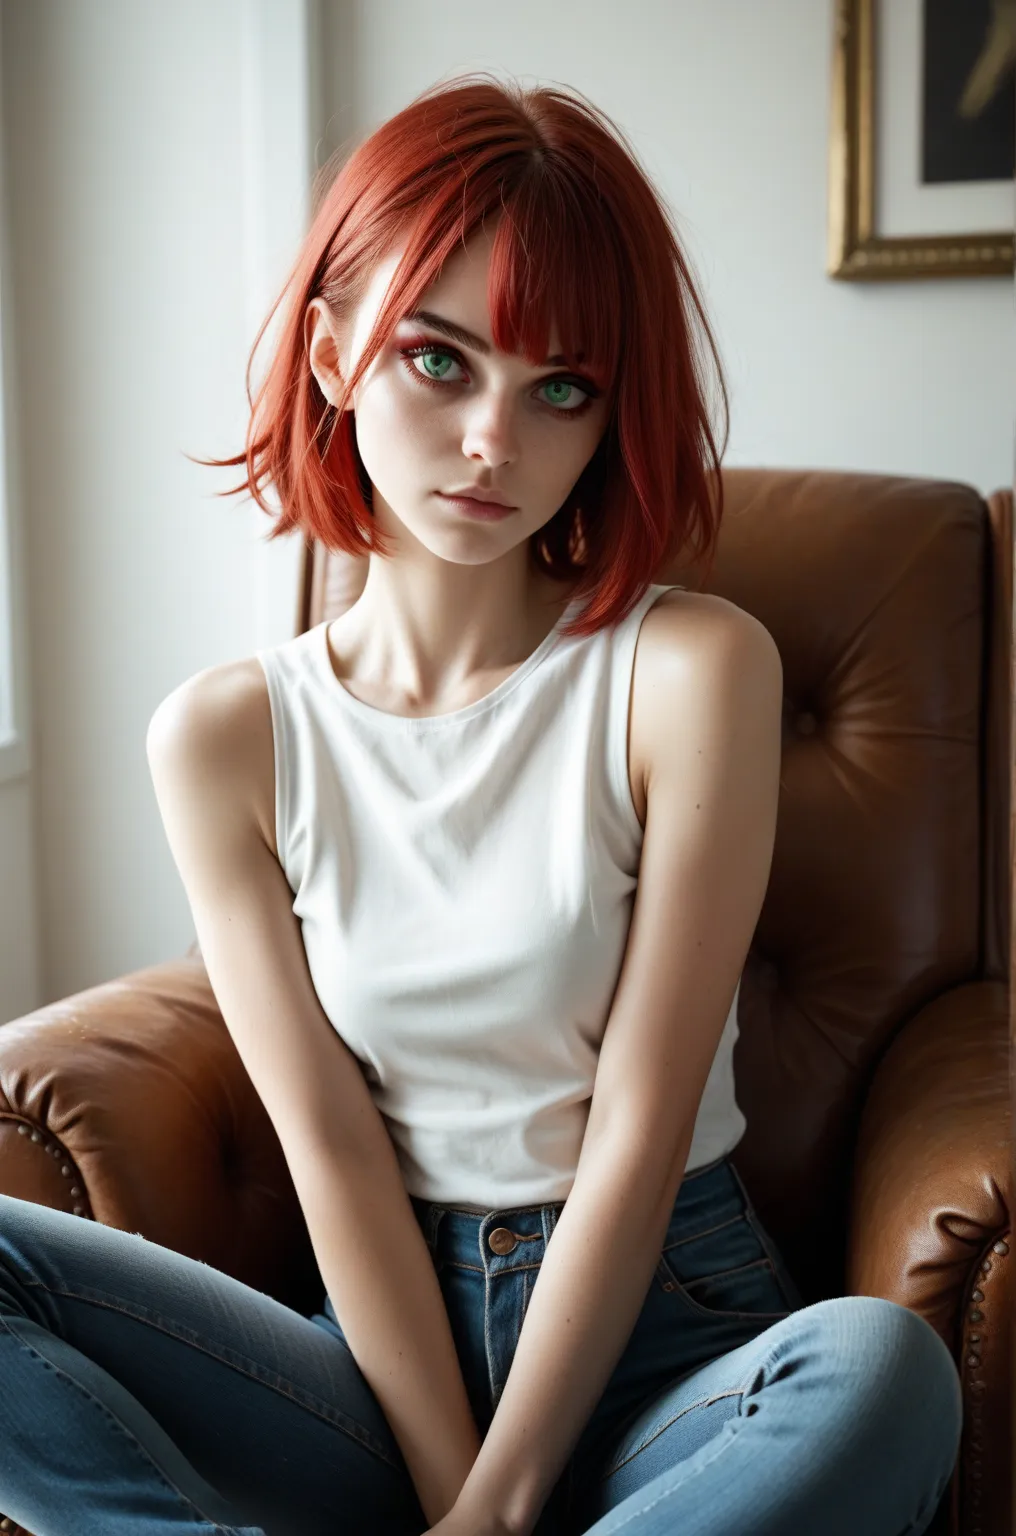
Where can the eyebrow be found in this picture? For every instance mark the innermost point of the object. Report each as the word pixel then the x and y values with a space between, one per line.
pixel 467 339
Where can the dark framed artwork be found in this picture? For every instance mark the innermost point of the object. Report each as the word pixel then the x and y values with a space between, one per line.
pixel 923 139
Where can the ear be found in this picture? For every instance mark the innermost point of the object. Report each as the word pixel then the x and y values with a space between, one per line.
pixel 323 340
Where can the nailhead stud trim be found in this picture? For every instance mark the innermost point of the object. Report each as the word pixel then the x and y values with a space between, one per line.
pixel 66 1171
pixel 976 1389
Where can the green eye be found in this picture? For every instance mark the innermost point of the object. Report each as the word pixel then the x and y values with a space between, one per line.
pixel 443 360
pixel 559 385
pixel 436 361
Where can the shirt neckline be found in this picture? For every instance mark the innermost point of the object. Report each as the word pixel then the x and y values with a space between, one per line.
pixel 393 721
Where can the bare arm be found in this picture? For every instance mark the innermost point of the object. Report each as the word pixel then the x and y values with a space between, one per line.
pixel 715 694
pixel 377 1269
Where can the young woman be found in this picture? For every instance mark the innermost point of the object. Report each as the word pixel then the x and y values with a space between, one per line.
pixel 475 868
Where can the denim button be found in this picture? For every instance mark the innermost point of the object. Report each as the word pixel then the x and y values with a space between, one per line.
pixel 502 1241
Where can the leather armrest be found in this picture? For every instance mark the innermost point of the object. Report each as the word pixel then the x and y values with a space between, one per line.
pixel 129 1103
pixel 931 1214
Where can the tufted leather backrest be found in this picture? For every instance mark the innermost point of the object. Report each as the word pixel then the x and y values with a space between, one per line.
pixel 890 600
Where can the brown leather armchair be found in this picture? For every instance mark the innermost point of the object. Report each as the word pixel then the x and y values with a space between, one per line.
pixel 872 1064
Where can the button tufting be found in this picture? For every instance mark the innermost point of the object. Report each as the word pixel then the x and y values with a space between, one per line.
pixel 502 1241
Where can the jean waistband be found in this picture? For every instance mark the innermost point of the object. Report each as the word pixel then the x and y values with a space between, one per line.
pixel 513 1237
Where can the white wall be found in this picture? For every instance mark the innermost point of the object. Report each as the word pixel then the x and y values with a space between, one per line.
pixel 142 247
pixel 159 168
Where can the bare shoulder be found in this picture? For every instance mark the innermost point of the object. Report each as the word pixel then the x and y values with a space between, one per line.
pixel 699 657
pixel 219 722
pixel 685 626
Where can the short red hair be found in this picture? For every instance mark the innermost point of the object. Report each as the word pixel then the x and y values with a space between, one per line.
pixel 582 240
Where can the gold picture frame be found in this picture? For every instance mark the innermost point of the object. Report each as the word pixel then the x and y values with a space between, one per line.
pixel 856 252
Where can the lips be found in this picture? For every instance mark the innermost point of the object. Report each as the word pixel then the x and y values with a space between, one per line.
pixel 477 493
pixel 472 506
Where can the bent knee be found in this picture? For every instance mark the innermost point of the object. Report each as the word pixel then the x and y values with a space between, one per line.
pixel 900 1364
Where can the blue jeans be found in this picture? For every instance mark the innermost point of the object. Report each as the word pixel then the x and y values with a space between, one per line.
pixel 143 1393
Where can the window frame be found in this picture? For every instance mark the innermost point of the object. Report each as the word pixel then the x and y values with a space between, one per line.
pixel 15 754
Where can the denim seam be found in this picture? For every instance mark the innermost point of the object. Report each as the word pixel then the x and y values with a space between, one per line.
pixel 308 1401
pixel 487 1342
pixel 703 1402
pixel 779 1263
pixel 757 1368
pixel 719 1312
pixel 736 1269
pixel 667 1492
pixel 476 1269
pixel 680 1241
pixel 524 1290
pixel 128 1433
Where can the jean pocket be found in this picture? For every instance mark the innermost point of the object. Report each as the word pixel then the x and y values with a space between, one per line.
pixel 715 1260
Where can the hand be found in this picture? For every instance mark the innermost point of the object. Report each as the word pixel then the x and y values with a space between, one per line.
pixel 458 1523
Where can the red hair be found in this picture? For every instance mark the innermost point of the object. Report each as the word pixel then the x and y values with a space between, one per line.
pixel 582 240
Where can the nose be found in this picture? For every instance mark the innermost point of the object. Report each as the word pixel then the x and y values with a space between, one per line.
pixel 490 432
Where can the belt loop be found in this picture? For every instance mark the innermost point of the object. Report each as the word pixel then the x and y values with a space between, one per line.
pixel 550 1214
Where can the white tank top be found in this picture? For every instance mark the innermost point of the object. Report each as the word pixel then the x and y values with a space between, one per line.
pixel 464 884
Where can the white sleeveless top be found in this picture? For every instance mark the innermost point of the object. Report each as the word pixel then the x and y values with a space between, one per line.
pixel 465 884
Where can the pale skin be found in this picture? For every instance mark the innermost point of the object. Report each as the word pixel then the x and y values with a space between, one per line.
pixel 456 609
pixel 437 626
